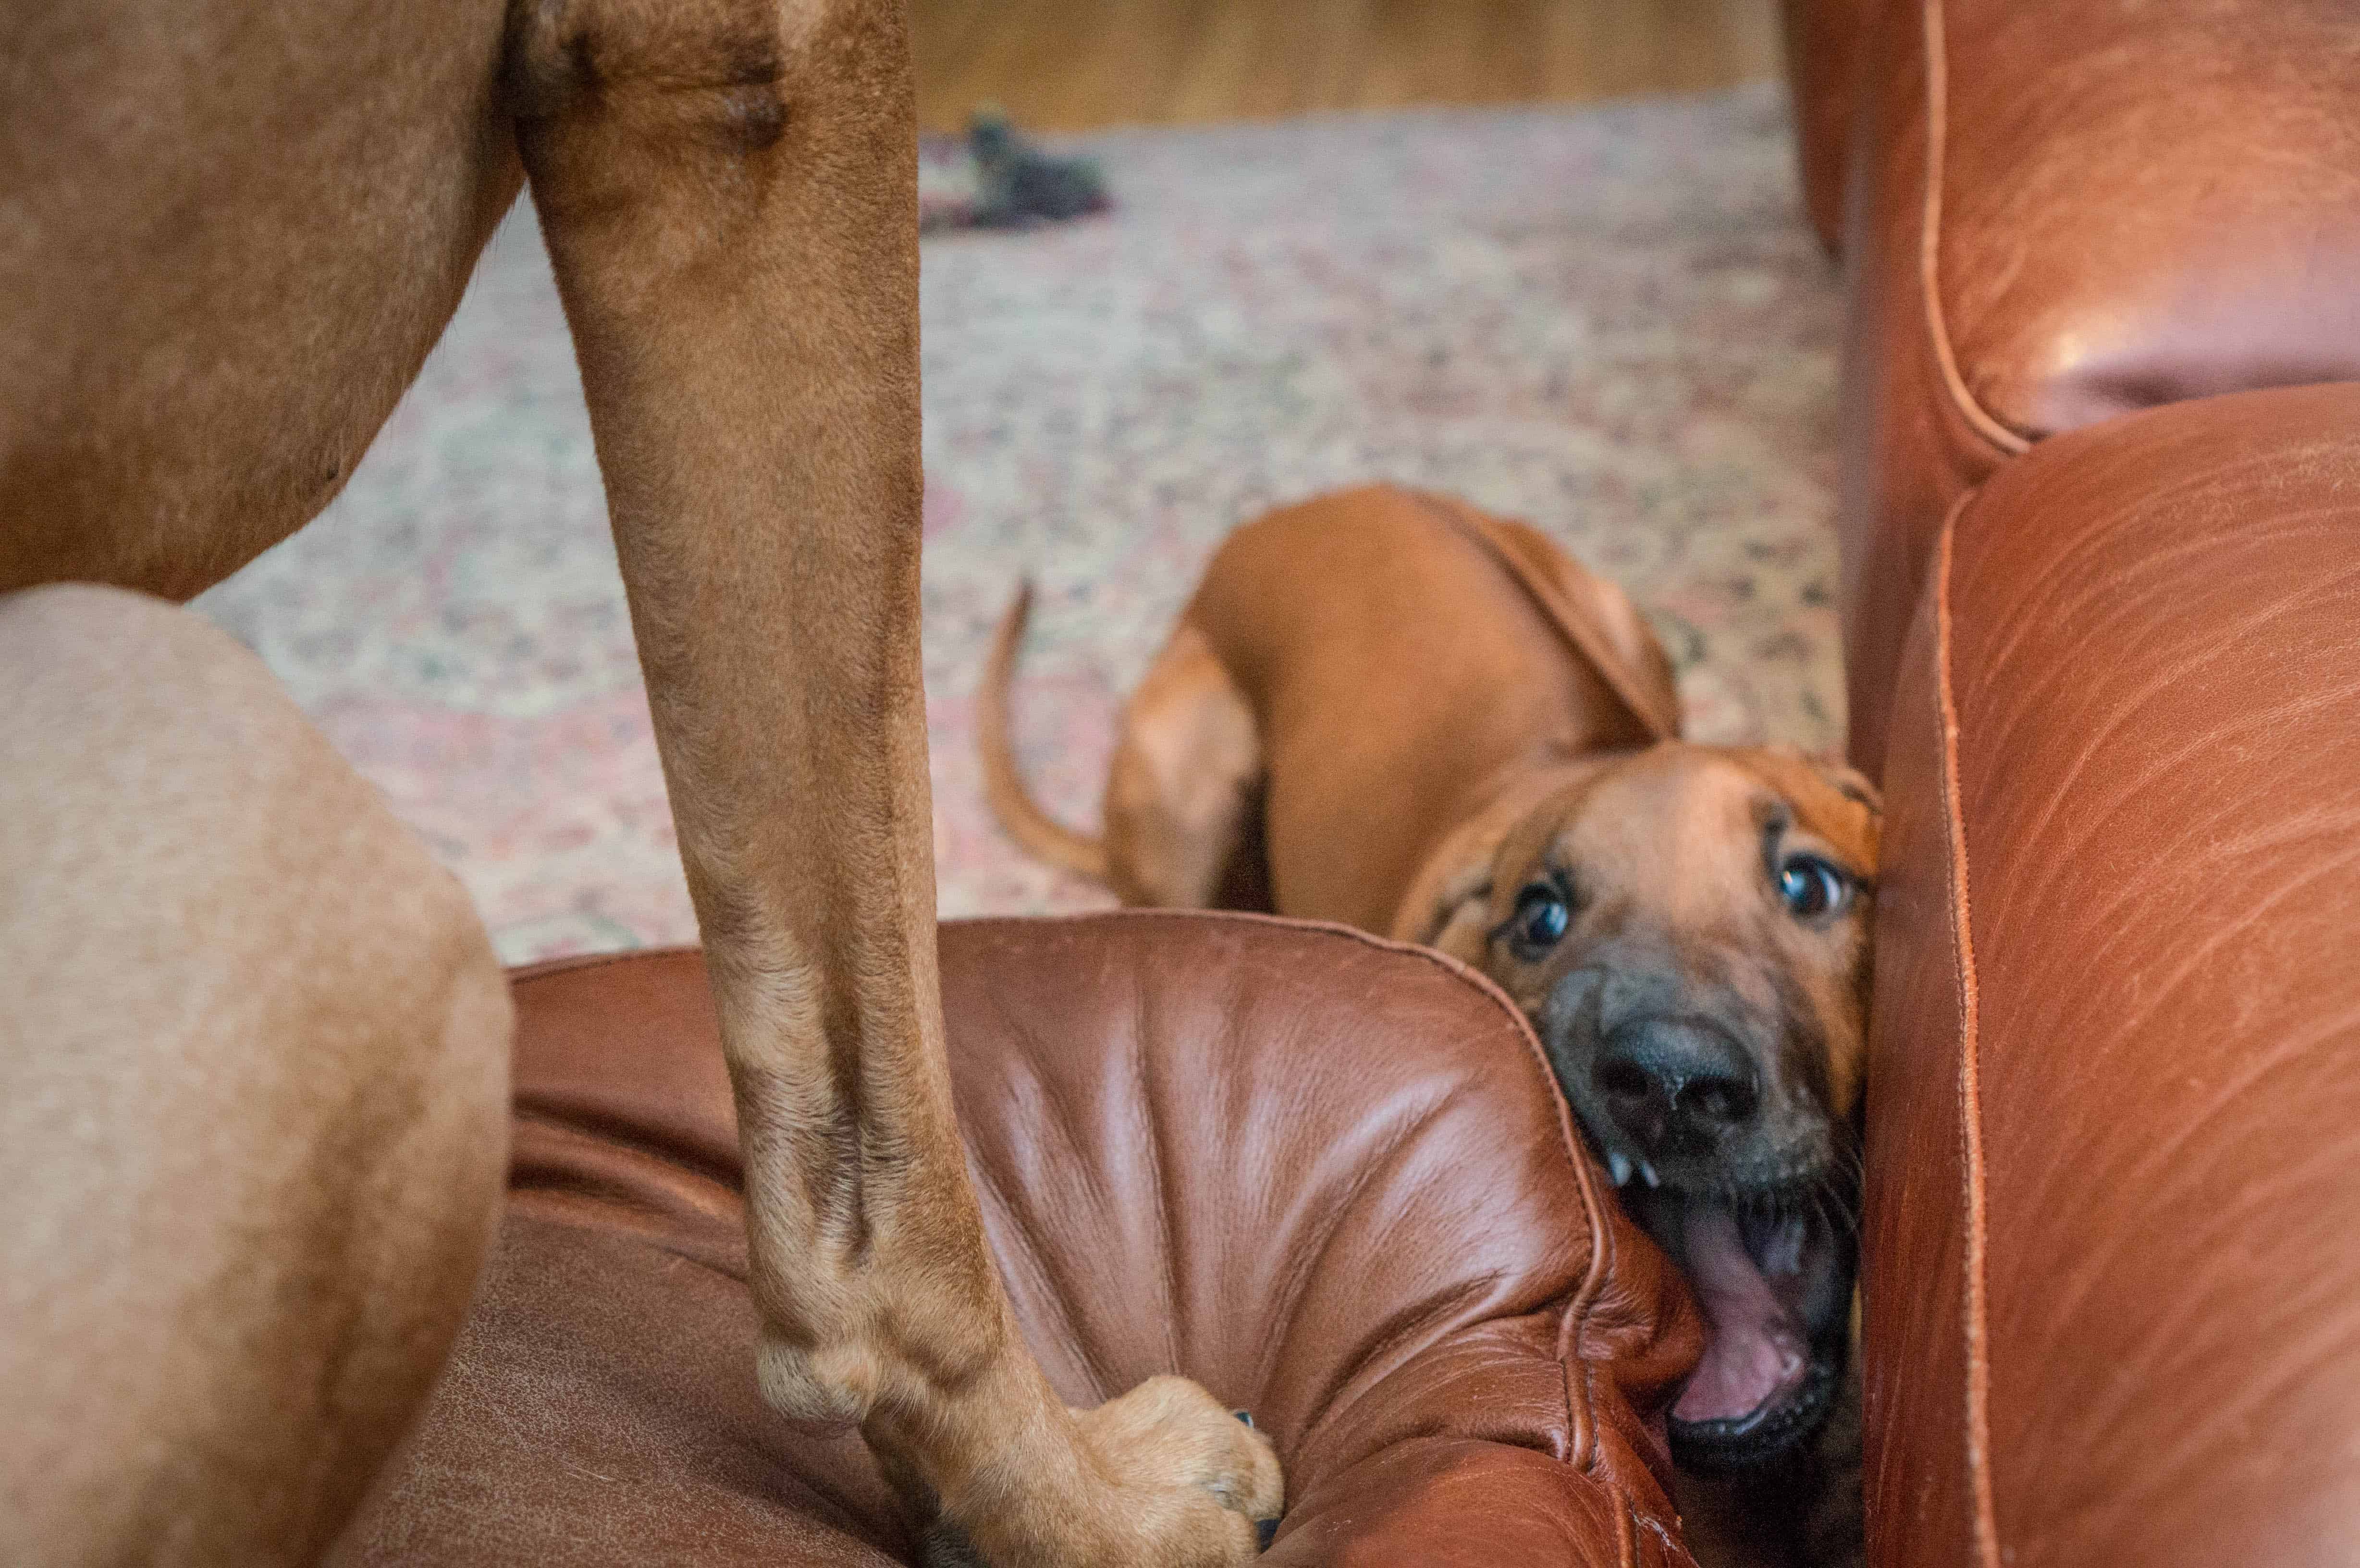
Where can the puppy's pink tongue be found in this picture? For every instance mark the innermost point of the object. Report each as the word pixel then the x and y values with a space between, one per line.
pixel 1753 1349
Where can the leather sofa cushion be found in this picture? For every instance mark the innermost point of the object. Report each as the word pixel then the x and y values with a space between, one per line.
pixel 2067 212
pixel 1326 1175
pixel 2113 1298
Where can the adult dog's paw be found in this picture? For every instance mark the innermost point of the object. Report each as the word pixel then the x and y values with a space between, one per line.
pixel 1165 1477
pixel 1200 1486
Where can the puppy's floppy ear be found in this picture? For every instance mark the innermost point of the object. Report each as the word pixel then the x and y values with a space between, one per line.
pixel 1449 903
pixel 1832 799
pixel 1832 770
pixel 1449 907
pixel 1597 617
pixel 1848 781
pixel 1462 925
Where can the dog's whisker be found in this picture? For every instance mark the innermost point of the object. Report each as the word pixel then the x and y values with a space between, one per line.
pixel 1842 1217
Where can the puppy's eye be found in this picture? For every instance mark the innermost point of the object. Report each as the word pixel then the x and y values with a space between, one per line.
pixel 1541 917
pixel 1811 887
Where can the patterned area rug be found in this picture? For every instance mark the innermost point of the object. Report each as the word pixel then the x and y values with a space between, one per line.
pixel 1611 322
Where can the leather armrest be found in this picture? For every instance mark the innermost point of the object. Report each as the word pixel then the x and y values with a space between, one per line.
pixel 2113 1298
pixel 1327 1176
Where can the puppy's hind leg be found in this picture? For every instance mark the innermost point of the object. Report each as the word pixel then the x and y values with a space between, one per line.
pixel 729 192
pixel 1183 797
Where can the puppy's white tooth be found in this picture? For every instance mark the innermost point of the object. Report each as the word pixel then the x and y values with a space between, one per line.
pixel 1619 1164
pixel 1647 1175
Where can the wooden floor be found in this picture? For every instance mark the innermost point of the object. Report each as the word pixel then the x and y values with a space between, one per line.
pixel 1063 65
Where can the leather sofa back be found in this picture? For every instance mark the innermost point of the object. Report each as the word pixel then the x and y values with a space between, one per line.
pixel 2059 213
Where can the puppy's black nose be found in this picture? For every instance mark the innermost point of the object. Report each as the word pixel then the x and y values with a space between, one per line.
pixel 1675 1085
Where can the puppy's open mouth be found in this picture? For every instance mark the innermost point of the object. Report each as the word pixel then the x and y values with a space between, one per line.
pixel 1771 1272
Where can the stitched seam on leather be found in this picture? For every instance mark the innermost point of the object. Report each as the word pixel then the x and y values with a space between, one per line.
pixel 1626 1537
pixel 1984 1523
pixel 1565 1453
pixel 1583 1451
pixel 1930 239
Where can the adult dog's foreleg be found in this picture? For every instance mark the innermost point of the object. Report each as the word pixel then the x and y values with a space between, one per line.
pixel 729 192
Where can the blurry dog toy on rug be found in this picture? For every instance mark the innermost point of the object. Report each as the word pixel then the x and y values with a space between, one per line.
pixel 993 177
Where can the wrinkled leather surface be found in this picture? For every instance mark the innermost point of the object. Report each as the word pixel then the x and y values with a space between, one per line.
pixel 1326 1175
pixel 2112 1293
pixel 2135 202
pixel 1823 41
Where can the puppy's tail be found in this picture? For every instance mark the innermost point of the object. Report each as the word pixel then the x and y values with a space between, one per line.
pixel 1003 786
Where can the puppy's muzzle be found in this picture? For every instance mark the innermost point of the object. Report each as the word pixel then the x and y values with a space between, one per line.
pixel 1728 1168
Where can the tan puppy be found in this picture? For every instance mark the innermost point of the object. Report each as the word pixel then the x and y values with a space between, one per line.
pixel 228 237
pixel 1385 709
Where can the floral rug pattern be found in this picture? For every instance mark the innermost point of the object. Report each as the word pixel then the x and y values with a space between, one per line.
pixel 1611 321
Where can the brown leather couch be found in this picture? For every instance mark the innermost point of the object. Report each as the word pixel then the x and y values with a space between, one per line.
pixel 2102 529
pixel 1326 1175
pixel 2100 517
